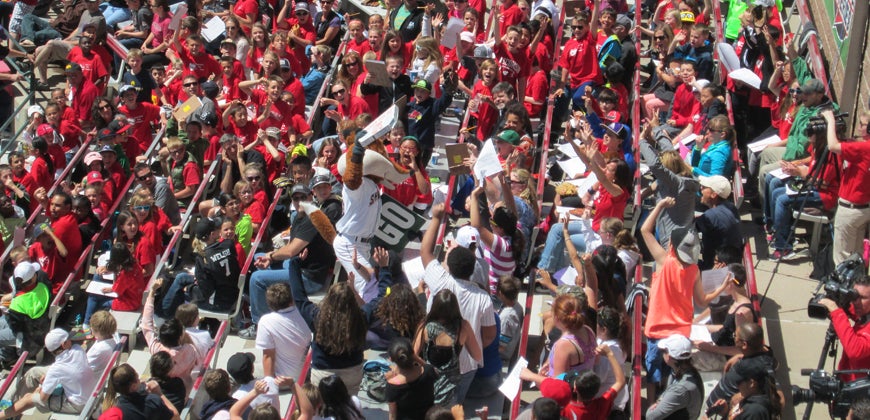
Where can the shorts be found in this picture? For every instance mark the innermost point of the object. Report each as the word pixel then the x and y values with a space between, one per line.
pixel 656 368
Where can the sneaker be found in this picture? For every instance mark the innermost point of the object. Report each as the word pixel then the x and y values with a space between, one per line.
pixel 249 333
pixel 782 254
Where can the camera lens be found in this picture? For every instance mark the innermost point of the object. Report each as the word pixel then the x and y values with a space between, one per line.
pixel 802 395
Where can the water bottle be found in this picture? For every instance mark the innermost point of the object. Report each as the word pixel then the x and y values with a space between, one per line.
pixel 78 321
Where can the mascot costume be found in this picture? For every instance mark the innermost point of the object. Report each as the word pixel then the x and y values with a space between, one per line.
pixel 363 170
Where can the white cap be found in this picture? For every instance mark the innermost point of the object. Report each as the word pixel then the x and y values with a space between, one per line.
pixel 33 109
pixel 55 338
pixel 718 183
pixel 700 84
pixel 466 236
pixel 678 347
pixel 26 271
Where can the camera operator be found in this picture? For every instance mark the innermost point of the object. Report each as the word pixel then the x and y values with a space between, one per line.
pixel 855 338
pixel 853 213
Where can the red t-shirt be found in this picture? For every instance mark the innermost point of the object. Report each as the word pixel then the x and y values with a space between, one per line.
pixel 685 106
pixel 356 107
pixel 191 173
pixel 371 100
pixel 606 205
pixel 231 90
pixel 93 67
pixel 246 8
pixel 129 285
pixel 83 98
pixel 295 87
pixel 246 134
pixel 202 66
pixel 48 261
pixel 361 47
pixel 596 409
pixel 153 229
pixel 257 211
pixel 856 176
pixel 486 113
pixel 39 176
pixel 537 87
pixel 407 192
pixel 511 66
pixel 306 32
pixel 141 118
pixel 545 59
pixel 278 112
pixel 66 228
pixel 508 16
pixel 580 59
pixel 298 125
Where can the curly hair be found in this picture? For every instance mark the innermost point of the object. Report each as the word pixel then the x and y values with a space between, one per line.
pixel 401 310
pixel 340 329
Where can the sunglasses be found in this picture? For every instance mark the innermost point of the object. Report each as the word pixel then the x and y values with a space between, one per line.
pixel 142 208
pixel 232 27
pixel 191 84
pixel 253 178
pixel 339 92
pixel 301 13
pixel 145 177
pixel 105 107
pixel 659 38
pixel 578 28
pixel 355 63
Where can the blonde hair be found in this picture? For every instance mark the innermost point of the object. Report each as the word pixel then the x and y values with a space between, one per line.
pixel 433 54
pixel 134 53
pixel 103 324
pixel 673 162
pixel 174 142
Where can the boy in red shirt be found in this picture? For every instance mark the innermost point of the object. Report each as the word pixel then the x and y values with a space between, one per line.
pixel 236 123
pixel 92 65
pixel 513 62
pixel 685 105
pixel 537 89
pixel 184 174
pixel 509 15
pixel 271 110
pixel 584 405
pixel 194 58
pixel 141 115
pixel 579 61
pixel 230 90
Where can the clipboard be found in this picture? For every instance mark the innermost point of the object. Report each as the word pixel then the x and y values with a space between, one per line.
pixel 180 12
pixel 184 110
pixel 378 70
pixel 456 154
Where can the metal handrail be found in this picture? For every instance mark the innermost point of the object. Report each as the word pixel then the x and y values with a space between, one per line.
pixel 10 378
pixel 302 375
pixel 12 141
pixel 104 378
pixel 637 349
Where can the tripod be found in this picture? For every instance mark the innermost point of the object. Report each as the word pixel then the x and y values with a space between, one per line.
pixel 829 349
pixel 803 193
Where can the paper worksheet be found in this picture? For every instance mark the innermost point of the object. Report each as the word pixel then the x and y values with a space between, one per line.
pixel 512 382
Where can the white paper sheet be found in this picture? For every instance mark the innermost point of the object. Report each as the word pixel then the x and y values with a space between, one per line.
pixel 712 279
pixel 96 288
pixel 414 270
pixel 180 12
pixel 567 150
pixel 102 261
pixel 454 28
pixel 758 146
pixel 511 384
pixel 214 28
pixel 584 184
pixel 700 333
pixel 779 173
pixel 747 77
pixel 728 56
pixel 573 167
pixel 487 162
pixel 689 139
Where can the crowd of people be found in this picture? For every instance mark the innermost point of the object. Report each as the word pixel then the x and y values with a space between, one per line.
pixel 206 129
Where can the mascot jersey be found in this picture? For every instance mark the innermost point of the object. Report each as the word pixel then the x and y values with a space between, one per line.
pixel 362 210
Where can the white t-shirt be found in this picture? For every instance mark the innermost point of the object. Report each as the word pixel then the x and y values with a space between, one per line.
pixel 604 371
pixel 287 333
pixel 71 371
pixel 271 396
pixel 474 304
pixel 100 354
pixel 362 210
pixel 201 340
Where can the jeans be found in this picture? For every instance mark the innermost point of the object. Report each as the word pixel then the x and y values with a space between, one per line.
pixel 553 256
pixel 484 386
pixel 37 30
pixel 96 303
pixel 577 95
pixel 262 279
pixel 7 337
pixel 783 204
pixel 464 385
pixel 175 296
pixel 115 15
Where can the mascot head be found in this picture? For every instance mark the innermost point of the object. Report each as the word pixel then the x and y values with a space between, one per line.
pixel 375 165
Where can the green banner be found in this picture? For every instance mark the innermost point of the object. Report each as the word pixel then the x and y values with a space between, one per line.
pixel 396 221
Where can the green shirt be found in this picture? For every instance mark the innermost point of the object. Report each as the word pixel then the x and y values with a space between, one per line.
pixel 244 231
pixel 797 145
pixel 32 303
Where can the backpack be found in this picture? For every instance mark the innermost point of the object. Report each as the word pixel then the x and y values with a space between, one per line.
pixel 374 379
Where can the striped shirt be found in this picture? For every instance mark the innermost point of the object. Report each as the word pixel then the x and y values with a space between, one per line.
pixel 501 260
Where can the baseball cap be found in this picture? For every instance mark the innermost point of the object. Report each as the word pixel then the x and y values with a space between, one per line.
pixel 94 176
pixel 422 84
pixel 204 228
pixel 624 21
pixel 509 136
pixel 93 157
pixel 273 132
pixel 752 368
pixel 241 367
pixel 700 84
pixel 482 51
pixel 108 148
pixel 616 129
pixel 26 271
pixel 556 389
pixel 34 109
pixel 299 189
pixel 687 17
pixel 209 88
pixel 39 229
pixel 209 119
pixel 55 338
pixel 119 126
pixel 466 236
pixel 466 36
pixel 678 346
pixel 44 130
pixel 718 183
pixel 105 134
pixel 125 89
pixel 685 241
pixel 318 180
pixel 813 86
pixel 285 64
pixel 301 5
pixel 72 68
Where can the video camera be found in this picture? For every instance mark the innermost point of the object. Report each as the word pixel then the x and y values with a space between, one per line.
pixel 837 286
pixel 828 388
pixel 818 126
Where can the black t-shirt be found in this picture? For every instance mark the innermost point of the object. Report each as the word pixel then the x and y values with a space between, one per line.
pixel 142 405
pixel 727 386
pixel 217 273
pixel 415 398
pixel 175 392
